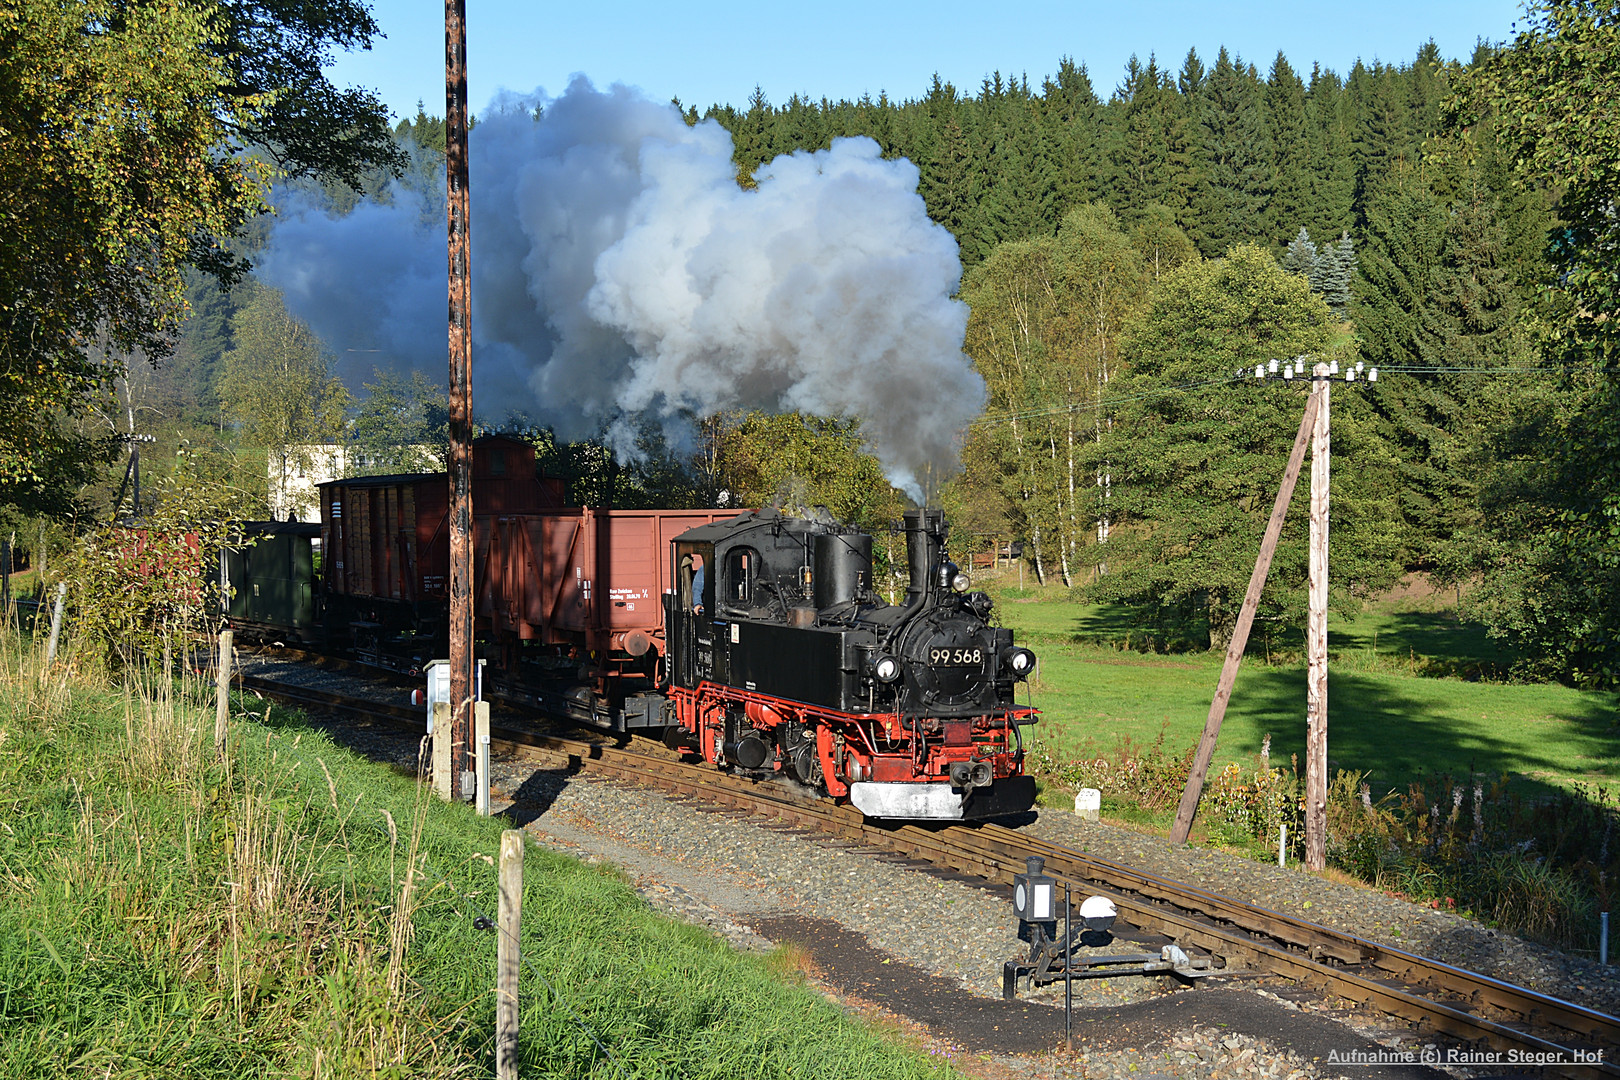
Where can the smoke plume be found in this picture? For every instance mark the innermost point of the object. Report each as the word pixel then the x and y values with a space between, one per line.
pixel 619 270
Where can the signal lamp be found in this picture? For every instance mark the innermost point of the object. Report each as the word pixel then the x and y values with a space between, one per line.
pixel 1034 894
pixel 1098 913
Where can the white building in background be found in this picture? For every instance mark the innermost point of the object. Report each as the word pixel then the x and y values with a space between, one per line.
pixel 293 491
pixel 293 478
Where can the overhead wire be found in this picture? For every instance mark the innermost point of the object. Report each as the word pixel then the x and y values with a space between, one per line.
pixel 1098 405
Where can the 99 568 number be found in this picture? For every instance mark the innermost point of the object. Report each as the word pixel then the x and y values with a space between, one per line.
pixel 956 657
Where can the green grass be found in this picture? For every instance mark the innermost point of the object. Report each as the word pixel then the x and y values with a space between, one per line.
pixel 1393 712
pixel 164 914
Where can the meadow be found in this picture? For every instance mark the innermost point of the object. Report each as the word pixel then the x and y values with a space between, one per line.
pixel 1449 784
pixel 1412 691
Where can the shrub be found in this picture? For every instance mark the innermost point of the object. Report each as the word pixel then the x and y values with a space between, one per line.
pixel 1148 776
pixel 1255 803
pixel 143 590
pixel 1542 865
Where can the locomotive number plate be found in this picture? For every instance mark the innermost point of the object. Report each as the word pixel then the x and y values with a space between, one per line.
pixel 956 657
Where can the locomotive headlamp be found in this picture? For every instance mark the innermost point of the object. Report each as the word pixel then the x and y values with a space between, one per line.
pixel 886 669
pixel 1020 662
pixel 1034 894
pixel 961 582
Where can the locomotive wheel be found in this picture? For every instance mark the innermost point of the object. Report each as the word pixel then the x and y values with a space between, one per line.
pixel 807 764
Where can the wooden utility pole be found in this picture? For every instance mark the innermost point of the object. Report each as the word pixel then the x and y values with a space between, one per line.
pixel 1316 681
pixel 462 764
pixel 508 958
pixel 1240 633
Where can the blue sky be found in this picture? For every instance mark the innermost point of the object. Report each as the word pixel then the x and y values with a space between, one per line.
pixel 718 52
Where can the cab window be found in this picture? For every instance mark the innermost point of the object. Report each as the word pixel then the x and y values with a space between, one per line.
pixel 742 571
pixel 692 581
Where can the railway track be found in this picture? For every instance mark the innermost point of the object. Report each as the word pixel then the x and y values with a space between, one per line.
pixel 1437 998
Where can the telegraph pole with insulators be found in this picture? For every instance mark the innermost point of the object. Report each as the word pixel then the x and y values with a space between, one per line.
pixel 1316 679
pixel 1314 428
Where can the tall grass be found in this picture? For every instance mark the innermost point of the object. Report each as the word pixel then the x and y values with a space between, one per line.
pixel 1542 865
pixel 288 909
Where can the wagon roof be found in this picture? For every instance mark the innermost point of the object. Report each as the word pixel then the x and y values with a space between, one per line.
pixel 390 478
pixel 282 528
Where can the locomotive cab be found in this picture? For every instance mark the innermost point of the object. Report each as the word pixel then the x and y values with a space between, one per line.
pixel 688 614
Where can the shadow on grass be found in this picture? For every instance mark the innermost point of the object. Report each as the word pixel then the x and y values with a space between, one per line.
pixel 1395 736
pixel 1430 643
pixel 1139 629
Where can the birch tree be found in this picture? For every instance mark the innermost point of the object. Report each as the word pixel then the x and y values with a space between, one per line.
pixel 1047 314
pixel 277 383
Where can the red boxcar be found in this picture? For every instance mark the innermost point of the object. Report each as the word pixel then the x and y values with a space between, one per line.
pixel 387 537
pixel 595 578
pixel 569 577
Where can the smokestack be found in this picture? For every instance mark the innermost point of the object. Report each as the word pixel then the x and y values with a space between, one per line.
pixel 925 533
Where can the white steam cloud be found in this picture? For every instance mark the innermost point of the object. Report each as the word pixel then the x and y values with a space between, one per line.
pixel 619 269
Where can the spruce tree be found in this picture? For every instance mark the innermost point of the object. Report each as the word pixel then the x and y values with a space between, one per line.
pixel 1378 132
pixel 1191 80
pixel 1070 118
pixel 1138 158
pixel 947 186
pixel 1291 163
pixel 1235 155
pixel 1334 271
pixel 1300 258
pixel 1333 172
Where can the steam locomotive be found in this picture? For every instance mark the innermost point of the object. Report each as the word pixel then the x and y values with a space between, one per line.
pixel 755 641
pixel 782 659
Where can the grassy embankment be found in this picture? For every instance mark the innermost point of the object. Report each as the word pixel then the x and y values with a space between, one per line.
pixel 295 910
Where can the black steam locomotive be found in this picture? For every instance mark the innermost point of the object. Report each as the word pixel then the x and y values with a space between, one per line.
pixel 782 659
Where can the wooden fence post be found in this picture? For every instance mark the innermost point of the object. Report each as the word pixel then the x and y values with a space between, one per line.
pixel 508 956
pixel 222 692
